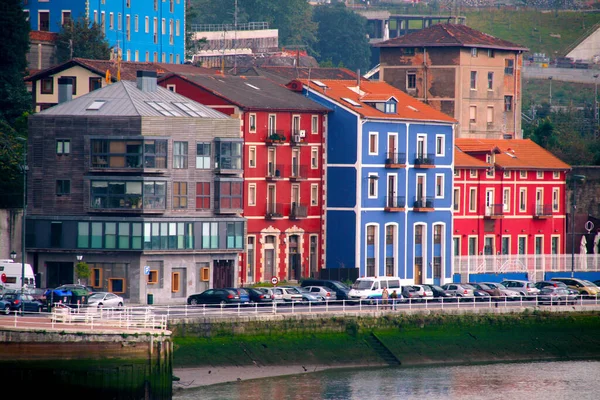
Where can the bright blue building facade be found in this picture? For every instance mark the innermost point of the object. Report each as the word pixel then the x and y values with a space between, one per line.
pixel 144 30
pixel 389 183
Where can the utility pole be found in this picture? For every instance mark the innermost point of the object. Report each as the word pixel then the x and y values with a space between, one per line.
pixel 235 27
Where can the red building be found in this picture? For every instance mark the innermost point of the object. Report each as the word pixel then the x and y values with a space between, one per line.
pixel 283 170
pixel 509 206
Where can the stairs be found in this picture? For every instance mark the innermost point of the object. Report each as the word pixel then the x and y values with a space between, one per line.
pixel 386 355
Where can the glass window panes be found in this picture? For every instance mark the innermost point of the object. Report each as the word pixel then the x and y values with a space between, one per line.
pixel 203 155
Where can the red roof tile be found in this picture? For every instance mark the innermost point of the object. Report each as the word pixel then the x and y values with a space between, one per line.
pixel 463 160
pixel 451 35
pixel 408 108
pixel 43 36
pixel 514 153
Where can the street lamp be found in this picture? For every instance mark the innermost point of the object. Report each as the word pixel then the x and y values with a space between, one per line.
pixel 574 179
pixel 596 99
pixel 79 257
pixel 13 255
pixel 550 97
pixel 24 172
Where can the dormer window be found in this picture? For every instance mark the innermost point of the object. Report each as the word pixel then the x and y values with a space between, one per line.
pixel 390 107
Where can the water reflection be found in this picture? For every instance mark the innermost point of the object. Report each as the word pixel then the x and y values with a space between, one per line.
pixel 531 381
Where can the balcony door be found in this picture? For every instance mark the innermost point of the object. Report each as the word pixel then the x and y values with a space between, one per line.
pixel 271 198
pixel 392 149
pixel 421 188
pixel 421 150
pixel 392 191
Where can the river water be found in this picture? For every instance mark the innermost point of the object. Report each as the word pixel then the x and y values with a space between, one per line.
pixel 509 381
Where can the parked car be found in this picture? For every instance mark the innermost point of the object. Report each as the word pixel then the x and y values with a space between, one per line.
pixel 556 295
pixel 483 287
pixel 503 291
pixel 441 294
pixel 275 293
pixel 214 296
pixel 409 293
pixel 480 295
pixel 597 283
pixel 542 284
pixel 291 293
pixel 584 287
pixel 322 291
pixel 424 292
pixel 242 293
pixel 459 290
pixel 105 299
pixel 525 288
pixel 341 289
pixel 259 297
pixel 16 301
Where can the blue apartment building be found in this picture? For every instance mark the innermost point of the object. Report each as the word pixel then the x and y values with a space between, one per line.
pixel 144 30
pixel 389 179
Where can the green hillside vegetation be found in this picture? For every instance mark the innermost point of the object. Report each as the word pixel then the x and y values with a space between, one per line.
pixel 537 91
pixel 533 29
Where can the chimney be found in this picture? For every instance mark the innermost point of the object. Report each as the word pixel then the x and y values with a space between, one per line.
pixel 65 90
pixel 146 81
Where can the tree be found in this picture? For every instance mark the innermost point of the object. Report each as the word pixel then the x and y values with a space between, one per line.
pixel 82 271
pixel 14 46
pixel 342 36
pixel 82 39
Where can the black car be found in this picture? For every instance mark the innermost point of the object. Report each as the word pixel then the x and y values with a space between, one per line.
pixel 441 294
pixel 341 290
pixel 214 296
pixel 259 297
pixel 14 302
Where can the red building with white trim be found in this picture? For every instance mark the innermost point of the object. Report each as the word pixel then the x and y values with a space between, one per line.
pixel 509 205
pixel 283 161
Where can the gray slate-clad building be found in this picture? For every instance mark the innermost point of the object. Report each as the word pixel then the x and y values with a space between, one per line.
pixel 144 183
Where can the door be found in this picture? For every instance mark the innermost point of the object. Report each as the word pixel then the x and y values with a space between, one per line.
pixel 269 258
pixel 295 163
pixel 271 199
pixel 313 256
pixel 489 202
pixel 418 270
pixel 392 155
pixel 392 201
pixel 222 273
pixel 421 147
pixel 271 162
pixel 539 201
pixel 294 264
pixel 59 273
pixel 421 190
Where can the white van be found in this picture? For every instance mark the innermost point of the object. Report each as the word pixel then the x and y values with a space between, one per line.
pixel 370 288
pixel 11 273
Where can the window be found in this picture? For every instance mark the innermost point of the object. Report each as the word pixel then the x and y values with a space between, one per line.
pixel 171 39
pixel 457 172
pixel 473 114
pixel 411 80
pixel 522 200
pixel 203 196
pixel 439 186
pixel 146 27
pixel 180 155
pixel 474 52
pixel 506 199
pixel 555 174
pixel 372 186
pixel 177 28
pixel 235 235
pixel 252 194
pixel 439 145
pixel 389 234
pixel 175 277
pixel 116 285
pixel 202 155
pixel 252 157
pixel 128 29
pixel 523 174
pixel 509 66
pixel 47 86
pixel 228 195
pixel 437 234
pixel 506 174
pixel 314 194
pixel 508 103
pixel 179 195
pixel 491 53
pixel 63 186
pixel 153 277
pixel 272 124
pixel 418 234
pixel 540 174
pixel 472 199
pixel 155 5
pixel 252 123
pixel 228 155
pixel 171 6
pixel 490 116
pixel 370 235
pixel 103 21
pixel 473 80
pixel 111 21
pixel 63 146
pixel 390 108
pixel 555 199
pixel 128 4
pixel 155 32
pixel 137 56
pixel 314 125
pixel 372 143
pixel 44 21
pixel 314 158
pixel 490 81
pixel 73 82
pixel 96 277
pixel 163 26
pixel 95 83
pixel 409 51
pixel 66 18
pixel 456 199
pixel 473 173
pixel 205 273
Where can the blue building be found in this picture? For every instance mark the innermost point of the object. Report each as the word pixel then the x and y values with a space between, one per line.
pixel 144 30
pixel 389 176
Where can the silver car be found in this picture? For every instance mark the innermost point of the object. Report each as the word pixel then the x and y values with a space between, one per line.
pixel 322 291
pixel 105 299
pixel 458 290
pixel 424 291
pixel 525 288
pixel 508 293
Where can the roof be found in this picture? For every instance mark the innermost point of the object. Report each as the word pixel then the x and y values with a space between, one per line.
pixel 463 160
pixel 128 68
pixel 451 35
pixel 125 99
pixel 252 92
pixel 43 36
pixel 283 75
pixel 514 153
pixel 346 92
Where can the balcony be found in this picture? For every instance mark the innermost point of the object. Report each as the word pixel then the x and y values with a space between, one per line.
pixel 395 160
pixel 395 203
pixel 298 172
pixel 543 211
pixel 424 160
pixel 423 204
pixel 275 138
pixel 494 211
pixel 298 211
pixel 298 138
pixel 274 210
pixel 274 172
